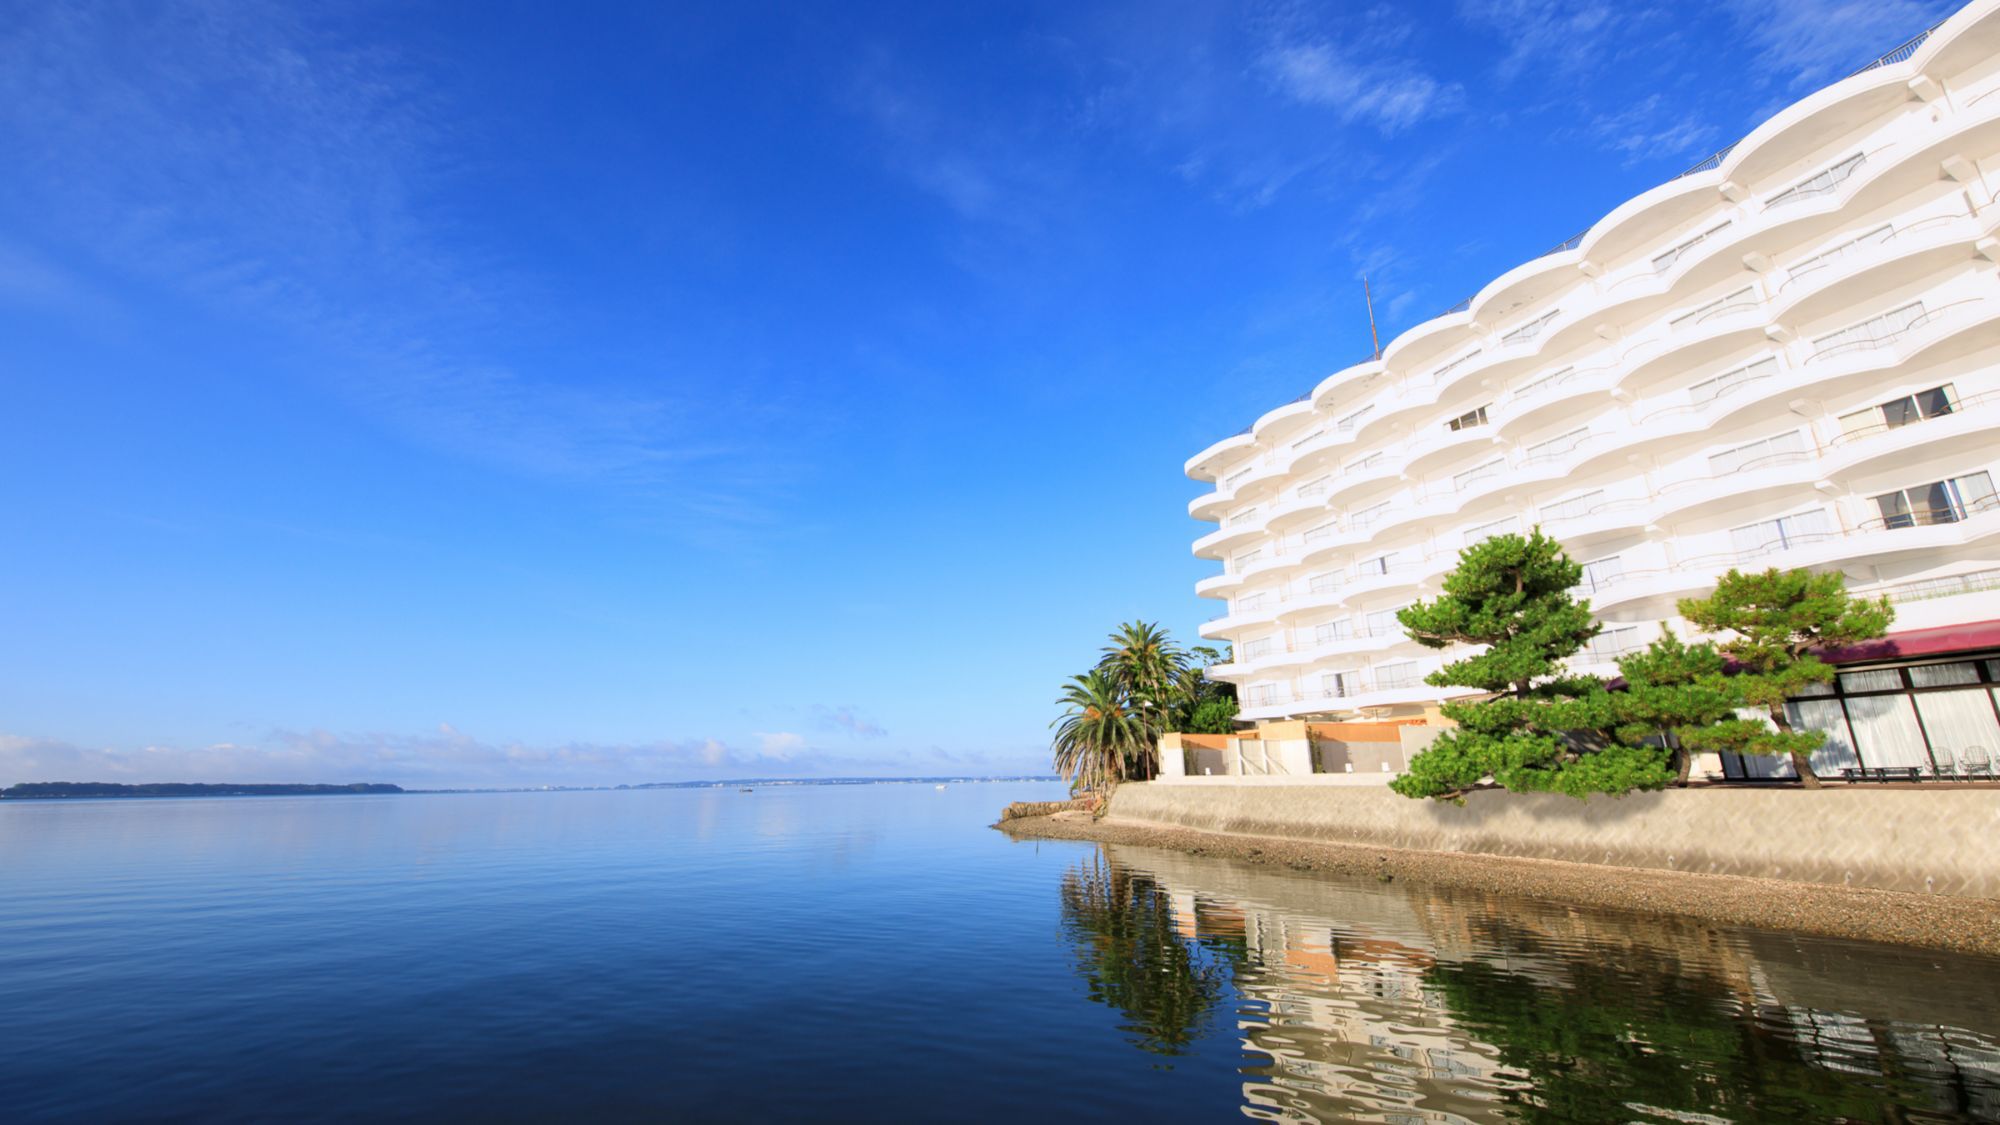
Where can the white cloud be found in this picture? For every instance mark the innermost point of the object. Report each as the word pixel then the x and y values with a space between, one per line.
pixel 1818 41
pixel 1651 129
pixel 1567 35
pixel 1389 97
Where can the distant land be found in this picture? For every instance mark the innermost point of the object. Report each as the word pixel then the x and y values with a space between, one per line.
pixel 53 790
pixel 58 790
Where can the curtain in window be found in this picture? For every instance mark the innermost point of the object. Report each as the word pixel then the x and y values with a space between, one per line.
pixel 1958 721
pixel 1885 727
pixel 1837 752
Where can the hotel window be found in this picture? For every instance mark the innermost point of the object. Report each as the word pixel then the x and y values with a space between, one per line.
pixel 1380 564
pixel 1313 436
pixel 1874 330
pixel 1315 487
pixel 1324 583
pixel 1778 449
pixel 1741 299
pixel 1755 539
pixel 1943 501
pixel 1250 603
pixel 1467 420
pixel 1462 481
pixel 1338 685
pixel 1383 623
pixel 1510 525
pixel 1939 718
pixel 1454 364
pixel 1579 505
pixel 1545 382
pixel 1603 572
pixel 1333 632
pixel 1708 390
pixel 1613 643
pixel 1368 516
pixel 1558 446
pixel 1321 532
pixel 1389 677
pixel 1826 257
pixel 1259 647
pixel 1361 464
pixel 1820 183
pixel 1348 423
pixel 1898 412
pixel 1531 329
pixel 1248 557
pixel 1263 695
pixel 1665 261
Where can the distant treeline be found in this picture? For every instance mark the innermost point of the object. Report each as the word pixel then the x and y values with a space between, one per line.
pixel 42 790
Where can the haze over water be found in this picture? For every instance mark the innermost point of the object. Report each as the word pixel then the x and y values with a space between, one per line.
pixel 878 952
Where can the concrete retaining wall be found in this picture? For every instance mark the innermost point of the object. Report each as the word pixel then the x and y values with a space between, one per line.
pixel 1945 841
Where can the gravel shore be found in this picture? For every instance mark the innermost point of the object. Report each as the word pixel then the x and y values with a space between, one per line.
pixel 1964 925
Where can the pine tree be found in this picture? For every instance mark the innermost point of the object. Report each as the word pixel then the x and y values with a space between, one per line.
pixel 1673 690
pixel 1778 618
pixel 1539 728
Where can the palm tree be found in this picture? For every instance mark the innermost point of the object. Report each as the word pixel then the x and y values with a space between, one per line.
pixel 1144 661
pixel 1101 738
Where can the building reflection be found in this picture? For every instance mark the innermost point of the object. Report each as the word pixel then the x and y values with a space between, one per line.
pixel 1402 1004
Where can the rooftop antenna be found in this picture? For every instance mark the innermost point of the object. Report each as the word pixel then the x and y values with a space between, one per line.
pixel 1370 298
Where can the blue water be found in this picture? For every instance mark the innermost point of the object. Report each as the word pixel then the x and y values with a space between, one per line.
pixel 879 952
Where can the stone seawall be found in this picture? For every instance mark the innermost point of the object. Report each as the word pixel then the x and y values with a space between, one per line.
pixel 1942 841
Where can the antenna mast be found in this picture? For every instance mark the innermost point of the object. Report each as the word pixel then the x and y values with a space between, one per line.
pixel 1370 298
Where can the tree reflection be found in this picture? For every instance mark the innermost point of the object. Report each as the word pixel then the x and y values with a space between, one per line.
pixel 1130 951
pixel 1598 1041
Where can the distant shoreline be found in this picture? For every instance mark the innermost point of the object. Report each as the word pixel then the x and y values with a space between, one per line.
pixel 107 790
pixel 90 790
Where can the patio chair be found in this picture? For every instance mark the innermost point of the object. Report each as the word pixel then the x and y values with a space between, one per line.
pixel 1975 761
pixel 1942 767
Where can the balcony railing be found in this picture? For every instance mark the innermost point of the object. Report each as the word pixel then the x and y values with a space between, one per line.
pixel 1867 343
pixel 1926 589
pixel 1957 512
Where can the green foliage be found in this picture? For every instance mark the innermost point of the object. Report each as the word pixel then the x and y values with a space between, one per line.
pixel 1674 694
pixel 1132 957
pixel 1511 594
pixel 1143 685
pixel 1100 738
pixel 1213 716
pixel 1541 729
pixel 1776 619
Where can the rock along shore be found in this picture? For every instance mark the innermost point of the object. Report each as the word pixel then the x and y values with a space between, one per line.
pixel 1962 925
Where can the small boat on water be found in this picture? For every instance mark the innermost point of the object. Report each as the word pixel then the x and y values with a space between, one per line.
pixel 940 787
pixel 746 789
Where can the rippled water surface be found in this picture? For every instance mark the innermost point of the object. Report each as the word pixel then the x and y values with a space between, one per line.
pixel 877 952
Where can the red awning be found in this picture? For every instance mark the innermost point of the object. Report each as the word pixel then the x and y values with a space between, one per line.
pixel 1943 639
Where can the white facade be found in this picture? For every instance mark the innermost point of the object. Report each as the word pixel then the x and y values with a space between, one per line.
pixel 1789 356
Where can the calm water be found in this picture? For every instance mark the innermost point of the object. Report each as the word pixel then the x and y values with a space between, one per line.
pixel 877 952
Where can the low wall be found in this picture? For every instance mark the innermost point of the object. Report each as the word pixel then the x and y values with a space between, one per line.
pixel 1945 841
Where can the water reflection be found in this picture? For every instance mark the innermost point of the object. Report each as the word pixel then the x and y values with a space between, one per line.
pixel 1403 1004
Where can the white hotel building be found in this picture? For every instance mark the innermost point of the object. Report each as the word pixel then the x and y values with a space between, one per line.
pixel 1787 356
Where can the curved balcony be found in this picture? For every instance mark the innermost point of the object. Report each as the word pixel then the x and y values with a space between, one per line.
pixel 1603 521
pixel 1740 489
pixel 1542 401
pixel 1967 429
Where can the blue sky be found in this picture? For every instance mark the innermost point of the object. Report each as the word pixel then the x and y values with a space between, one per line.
pixel 532 393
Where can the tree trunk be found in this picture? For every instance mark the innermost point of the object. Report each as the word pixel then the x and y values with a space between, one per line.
pixel 1683 761
pixel 1801 763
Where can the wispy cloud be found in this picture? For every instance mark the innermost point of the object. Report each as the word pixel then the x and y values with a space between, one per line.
pixel 1652 129
pixel 1568 36
pixel 1818 41
pixel 238 157
pixel 844 718
pixel 1388 97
